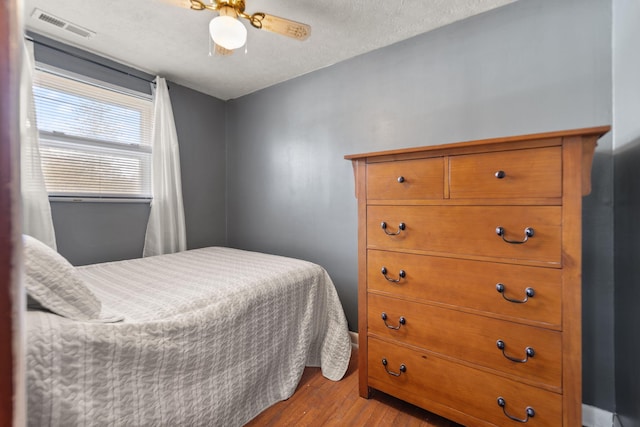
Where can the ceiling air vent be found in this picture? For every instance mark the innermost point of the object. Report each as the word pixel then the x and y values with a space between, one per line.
pixel 61 23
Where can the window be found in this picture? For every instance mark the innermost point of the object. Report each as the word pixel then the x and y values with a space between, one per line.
pixel 95 140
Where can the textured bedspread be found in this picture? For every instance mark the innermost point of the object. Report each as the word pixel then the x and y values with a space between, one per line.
pixel 210 337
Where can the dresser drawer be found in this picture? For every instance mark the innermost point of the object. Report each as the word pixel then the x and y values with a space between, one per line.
pixel 507 174
pixel 469 231
pixel 449 388
pixel 404 180
pixel 471 338
pixel 470 284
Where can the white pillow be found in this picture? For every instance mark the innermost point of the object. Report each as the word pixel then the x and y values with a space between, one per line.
pixel 53 282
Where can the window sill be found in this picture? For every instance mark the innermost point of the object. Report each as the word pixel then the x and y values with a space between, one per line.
pixel 70 199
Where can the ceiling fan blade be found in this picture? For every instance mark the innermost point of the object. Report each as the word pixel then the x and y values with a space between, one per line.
pixel 275 24
pixel 180 3
pixel 193 4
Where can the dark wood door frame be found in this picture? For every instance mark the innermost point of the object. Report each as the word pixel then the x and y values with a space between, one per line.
pixel 10 350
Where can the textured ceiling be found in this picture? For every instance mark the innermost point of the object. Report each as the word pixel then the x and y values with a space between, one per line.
pixel 160 38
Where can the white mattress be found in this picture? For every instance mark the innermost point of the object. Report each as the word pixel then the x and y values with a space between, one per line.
pixel 210 337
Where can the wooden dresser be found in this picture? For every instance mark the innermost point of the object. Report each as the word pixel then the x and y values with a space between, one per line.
pixel 470 276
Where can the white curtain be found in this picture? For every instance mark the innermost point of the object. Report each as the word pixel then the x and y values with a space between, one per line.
pixel 166 231
pixel 36 210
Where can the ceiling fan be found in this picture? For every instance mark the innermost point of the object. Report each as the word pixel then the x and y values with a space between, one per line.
pixel 227 31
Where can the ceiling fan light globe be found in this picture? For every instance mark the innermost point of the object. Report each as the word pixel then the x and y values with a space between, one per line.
pixel 228 32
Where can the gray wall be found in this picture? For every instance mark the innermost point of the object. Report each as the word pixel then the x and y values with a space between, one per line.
pixel 200 124
pixel 532 66
pixel 88 232
pixel 65 57
pixel 626 120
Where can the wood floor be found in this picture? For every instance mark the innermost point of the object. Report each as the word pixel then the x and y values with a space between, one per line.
pixel 321 402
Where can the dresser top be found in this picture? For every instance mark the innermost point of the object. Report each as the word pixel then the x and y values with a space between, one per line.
pixel 584 132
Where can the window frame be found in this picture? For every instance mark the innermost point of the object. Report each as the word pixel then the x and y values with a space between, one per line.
pixel 58 139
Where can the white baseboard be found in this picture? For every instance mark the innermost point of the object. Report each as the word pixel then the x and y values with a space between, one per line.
pixel 596 417
pixel 354 339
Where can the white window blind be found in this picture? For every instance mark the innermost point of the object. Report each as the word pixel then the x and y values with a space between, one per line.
pixel 95 141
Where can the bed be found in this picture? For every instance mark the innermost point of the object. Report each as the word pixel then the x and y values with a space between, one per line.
pixel 204 337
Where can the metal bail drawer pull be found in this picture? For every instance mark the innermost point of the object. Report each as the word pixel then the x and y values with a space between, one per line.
pixel 403 369
pixel 529 292
pixel 528 232
pixel 401 322
pixel 401 275
pixel 529 351
pixel 530 411
pixel 401 227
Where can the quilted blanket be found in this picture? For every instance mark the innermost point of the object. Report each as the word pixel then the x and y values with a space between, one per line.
pixel 210 337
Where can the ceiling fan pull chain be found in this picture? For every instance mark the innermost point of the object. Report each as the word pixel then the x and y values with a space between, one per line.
pixel 256 20
pixel 198 5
